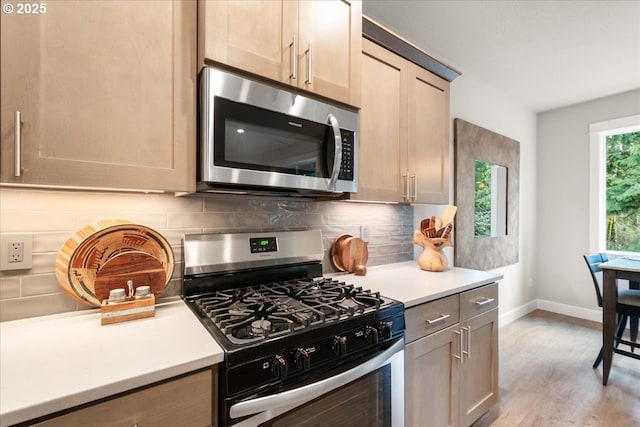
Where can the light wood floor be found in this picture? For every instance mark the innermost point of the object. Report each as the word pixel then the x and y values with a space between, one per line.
pixel 546 377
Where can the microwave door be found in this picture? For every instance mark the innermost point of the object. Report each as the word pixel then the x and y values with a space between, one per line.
pixel 337 152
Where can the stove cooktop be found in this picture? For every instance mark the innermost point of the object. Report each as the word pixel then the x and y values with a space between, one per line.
pixel 259 313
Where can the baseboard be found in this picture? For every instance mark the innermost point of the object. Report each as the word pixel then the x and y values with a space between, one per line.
pixel 554 307
pixel 570 310
pixel 516 313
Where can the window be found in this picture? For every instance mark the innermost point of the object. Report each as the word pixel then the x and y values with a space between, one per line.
pixel 615 185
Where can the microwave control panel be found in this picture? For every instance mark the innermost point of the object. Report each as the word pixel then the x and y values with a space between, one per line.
pixel 346 167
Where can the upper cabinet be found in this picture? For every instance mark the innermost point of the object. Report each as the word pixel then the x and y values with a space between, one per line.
pixel 404 131
pixel 312 45
pixel 100 95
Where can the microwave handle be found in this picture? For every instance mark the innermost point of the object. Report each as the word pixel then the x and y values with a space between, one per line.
pixel 337 160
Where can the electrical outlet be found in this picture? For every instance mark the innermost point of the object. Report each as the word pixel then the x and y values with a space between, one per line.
pixel 16 251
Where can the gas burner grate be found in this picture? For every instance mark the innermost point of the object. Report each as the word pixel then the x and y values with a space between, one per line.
pixel 270 310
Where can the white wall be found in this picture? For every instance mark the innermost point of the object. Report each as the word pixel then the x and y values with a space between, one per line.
pixel 474 101
pixel 562 281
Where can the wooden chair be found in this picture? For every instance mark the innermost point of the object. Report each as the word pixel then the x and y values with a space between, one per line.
pixel 628 307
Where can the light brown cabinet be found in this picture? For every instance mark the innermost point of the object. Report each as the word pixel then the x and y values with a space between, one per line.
pixel 312 45
pixel 105 93
pixel 451 366
pixel 185 401
pixel 404 130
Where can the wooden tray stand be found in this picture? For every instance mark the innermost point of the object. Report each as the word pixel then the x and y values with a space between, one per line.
pixel 127 310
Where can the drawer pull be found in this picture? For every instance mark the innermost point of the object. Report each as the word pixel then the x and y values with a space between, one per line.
pixel 437 319
pixel 484 301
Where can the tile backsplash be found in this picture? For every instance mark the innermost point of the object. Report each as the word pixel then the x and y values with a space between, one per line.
pixel 53 216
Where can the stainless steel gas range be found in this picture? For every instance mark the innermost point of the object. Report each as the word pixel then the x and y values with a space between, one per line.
pixel 300 348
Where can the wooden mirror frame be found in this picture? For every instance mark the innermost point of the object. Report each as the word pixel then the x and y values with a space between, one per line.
pixel 473 143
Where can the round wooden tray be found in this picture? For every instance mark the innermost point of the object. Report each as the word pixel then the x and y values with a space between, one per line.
pixel 83 256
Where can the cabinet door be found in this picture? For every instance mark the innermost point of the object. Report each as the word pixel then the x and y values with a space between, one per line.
pixel 428 136
pixel 431 380
pixel 255 36
pixel 383 126
pixel 479 372
pixel 186 401
pixel 330 34
pixel 106 91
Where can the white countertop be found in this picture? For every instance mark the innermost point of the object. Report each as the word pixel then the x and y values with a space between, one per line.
pixel 407 283
pixel 52 363
pixel 56 362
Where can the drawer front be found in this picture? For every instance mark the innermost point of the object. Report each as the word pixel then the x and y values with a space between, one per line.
pixel 478 301
pixel 431 317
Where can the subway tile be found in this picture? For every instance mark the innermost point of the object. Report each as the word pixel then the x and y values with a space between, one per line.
pixel 49 242
pixel 258 221
pixel 10 199
pixel 228 204
pixel 43 263
pixel 9 287
pixel 152 220
pixel 199 219
pixel 39 284
pixel 36 221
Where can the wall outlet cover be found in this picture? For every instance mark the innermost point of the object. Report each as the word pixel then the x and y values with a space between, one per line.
pixel 16 251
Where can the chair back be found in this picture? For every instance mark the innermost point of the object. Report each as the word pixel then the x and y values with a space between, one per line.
pixel 593 260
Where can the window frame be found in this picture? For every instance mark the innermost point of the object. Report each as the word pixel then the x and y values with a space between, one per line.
pixel 597 182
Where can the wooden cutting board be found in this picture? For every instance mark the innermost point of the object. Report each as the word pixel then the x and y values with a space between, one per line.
pixel 336 250
pixel 350 254
pixel 87 250
pixel 139 267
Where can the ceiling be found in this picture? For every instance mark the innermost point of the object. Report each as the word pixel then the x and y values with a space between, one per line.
pixel 545 54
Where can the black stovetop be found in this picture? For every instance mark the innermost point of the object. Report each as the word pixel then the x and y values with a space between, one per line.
pixel 258 313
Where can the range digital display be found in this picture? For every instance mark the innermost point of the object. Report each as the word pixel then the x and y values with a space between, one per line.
pixel 263 244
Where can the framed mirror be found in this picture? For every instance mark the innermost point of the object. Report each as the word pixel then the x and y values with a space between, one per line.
pixel 487 171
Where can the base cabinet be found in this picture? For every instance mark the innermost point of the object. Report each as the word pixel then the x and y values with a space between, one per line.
pixel 186 401
pixel 451 374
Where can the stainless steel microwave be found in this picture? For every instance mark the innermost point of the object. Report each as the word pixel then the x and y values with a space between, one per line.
pixel 258 138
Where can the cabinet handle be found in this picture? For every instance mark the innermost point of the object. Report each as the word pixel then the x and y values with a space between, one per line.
pixel 415 187
pixel 459 355
pixel 438 319
pixel 405 190
pixel 17 118
pixel 483 301
pixel 309 73
pixel 468 351
pixel 294 58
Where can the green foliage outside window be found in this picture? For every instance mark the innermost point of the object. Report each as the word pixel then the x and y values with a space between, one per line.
pixel 483 200
pixel 623 192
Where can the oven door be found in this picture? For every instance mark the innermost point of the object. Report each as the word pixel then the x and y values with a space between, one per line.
pixel 368 395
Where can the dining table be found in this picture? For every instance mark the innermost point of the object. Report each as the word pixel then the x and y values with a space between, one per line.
pixel 627 268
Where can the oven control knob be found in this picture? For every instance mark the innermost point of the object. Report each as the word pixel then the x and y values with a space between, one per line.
pixel 339 346
pixel 385 329
pixel 371 335
pixel 302 359
pixel 279 367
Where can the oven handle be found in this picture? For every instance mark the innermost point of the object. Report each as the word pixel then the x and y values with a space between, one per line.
pixel 311 391
pixel 337 160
